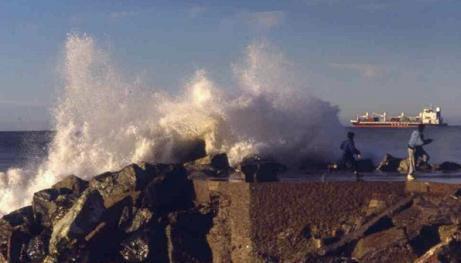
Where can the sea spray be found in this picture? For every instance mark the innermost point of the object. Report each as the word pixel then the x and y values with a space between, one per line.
pixel 104 122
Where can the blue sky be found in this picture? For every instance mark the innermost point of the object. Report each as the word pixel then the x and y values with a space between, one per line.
pixel 362 55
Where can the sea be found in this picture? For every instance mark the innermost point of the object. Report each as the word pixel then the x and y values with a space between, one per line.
pixel 22 149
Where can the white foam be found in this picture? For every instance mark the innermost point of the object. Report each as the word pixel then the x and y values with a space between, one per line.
pixel 104 122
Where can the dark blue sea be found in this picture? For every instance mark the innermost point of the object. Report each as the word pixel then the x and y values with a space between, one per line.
pixel 22 149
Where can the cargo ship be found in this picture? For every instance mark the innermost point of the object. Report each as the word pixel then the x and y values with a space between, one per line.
pixel 429 116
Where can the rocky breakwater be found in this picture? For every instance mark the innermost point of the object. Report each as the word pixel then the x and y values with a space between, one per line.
pixel 160 213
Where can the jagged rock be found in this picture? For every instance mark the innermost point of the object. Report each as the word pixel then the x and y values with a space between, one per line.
pixel 169 190
pixel 365 165
pixel 443 252
pixel 216 165
pixel 447 167
pixel 127 182
pixel 73 183
pixel 394 164
pixel 37 249
pixel 258 169
pixel 389 163
pixel 447 232
pixel 186 235
pixel 142 217
pixel 82 218
pixel 136 248
pixel 50 205
pixel 13 226
pixel 188 150
pixel 384 246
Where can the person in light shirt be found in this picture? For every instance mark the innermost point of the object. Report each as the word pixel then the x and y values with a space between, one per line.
pixel 415 150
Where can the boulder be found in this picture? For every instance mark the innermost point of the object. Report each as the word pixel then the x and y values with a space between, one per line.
pixel 384 246
pixel 14 226
pixel 188 150
pixel 72 183
pixel 142 218
pixel 37 248
pixel 80 220
pixel 447 167
pixel 50 205
pixel 389 163
pixel 259 169
pixel 365 165
pixel 187 236
pixel 170 190
pixel 215 165
pixel 115 186
pixel 136 248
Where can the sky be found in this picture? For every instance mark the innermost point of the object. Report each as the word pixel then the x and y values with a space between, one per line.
pixel 361 55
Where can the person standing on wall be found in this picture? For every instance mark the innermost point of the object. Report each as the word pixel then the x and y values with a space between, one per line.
pixel 415 150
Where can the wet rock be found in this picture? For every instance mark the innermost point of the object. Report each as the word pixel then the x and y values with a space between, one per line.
pixel 127 182
pixel 186 235
pixel 365 165
pixel 169 190
pixel 389 163
pixel 215 165
pixel 444 252
pixel 136 248
pixel 72 183
pixel 258 169
pixel 189 150
pixel 84 215
pixel 50 205
pixel 384 246
pixel 447 167
pixel 37 248
pixel 20 221
pixel 142 218
pixel 447 232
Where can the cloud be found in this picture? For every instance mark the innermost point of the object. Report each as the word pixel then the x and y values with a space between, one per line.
pixel 196 11
pixel 368 71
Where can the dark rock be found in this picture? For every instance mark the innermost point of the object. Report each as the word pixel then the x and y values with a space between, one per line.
pixel 447 167
pixel 17 245
pixel 127 182
pixel 73 183
pixel 80 220
pixel 389 163
pixel 258 169
pixel 365 165
pixel 22 221
pixel 170 190
pixel 189 150
pixel 186 235
pixel 384 246
pixel 215 165
pixel 142 218
pixel 50 205
pixel 136 248
pixel 37 249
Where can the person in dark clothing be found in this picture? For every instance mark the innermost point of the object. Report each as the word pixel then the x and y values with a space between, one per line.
pixel 350 152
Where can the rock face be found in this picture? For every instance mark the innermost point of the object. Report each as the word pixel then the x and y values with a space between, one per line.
pixel 394 164
pixel 156 213
pixel 259 169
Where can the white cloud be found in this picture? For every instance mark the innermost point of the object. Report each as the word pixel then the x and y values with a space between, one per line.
pixel 368 71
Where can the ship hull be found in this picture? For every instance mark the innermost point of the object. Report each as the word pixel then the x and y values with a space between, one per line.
pixel 396 125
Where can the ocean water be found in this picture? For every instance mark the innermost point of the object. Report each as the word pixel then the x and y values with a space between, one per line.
pixel 375 143
pixel 23 149
pixel 26 149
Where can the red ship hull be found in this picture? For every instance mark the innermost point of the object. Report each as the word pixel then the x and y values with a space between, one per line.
pixel 397 125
